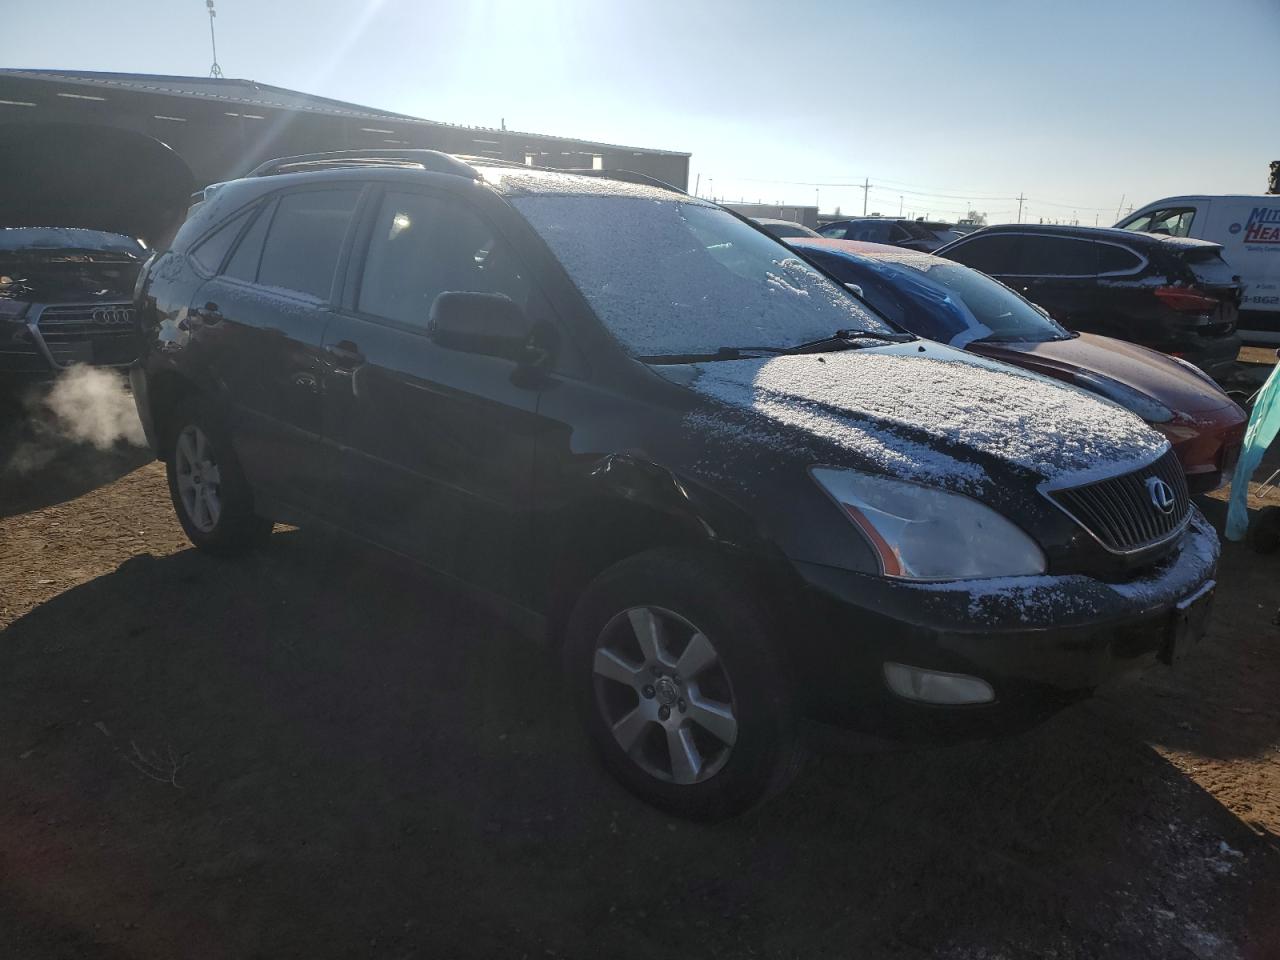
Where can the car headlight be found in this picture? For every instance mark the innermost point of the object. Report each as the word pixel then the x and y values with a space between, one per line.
pixel 1135 401
pixel 923 533
pixel 12 309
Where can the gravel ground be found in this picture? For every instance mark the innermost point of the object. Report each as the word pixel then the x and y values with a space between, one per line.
pixel 317 753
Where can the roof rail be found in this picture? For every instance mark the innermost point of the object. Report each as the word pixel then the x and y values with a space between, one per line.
pixel 432 160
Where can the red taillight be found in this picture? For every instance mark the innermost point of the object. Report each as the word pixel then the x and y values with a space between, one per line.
pixel 1186 300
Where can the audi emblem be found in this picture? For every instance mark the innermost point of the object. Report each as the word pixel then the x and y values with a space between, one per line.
pixel 1161 495
pixel 112 316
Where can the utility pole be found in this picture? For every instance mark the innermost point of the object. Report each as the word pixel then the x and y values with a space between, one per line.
pixel 215 70
pixel 866 186
pixel 817 201
pixel 1020 199
pixel 899 206
pixel 1121 207
pixel 697 183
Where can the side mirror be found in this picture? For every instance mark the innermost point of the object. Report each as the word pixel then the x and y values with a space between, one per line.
pixel 491 324
pixel 854 288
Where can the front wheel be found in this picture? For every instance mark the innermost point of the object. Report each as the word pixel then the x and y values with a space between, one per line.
pixel 671 661
pixel 209 492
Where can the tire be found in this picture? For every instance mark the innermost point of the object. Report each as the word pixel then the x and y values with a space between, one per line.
pixel 727 740
pixel 1264 532
pixel 210 494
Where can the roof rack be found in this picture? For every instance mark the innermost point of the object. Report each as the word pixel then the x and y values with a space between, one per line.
pixel 462 165
pixel 432 160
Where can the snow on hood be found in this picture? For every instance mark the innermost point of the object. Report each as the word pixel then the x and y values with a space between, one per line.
pixel 49 239
pixel 920 416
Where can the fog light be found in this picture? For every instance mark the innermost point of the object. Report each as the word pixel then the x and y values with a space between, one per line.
pixel 933 686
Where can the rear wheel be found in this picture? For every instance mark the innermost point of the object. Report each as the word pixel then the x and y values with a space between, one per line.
pixel 672 665
pixel 209 491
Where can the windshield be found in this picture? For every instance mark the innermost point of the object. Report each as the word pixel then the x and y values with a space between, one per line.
pixel 675 277
pixel 998 313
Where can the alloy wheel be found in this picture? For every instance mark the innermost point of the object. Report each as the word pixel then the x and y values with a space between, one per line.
pixel 198 478
pixel 665 695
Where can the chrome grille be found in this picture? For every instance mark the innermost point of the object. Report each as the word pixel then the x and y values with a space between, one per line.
pixel 101 333
pixel 1121 511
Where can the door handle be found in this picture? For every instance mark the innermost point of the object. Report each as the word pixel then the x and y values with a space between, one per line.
pixel 345 353
pixel 209 314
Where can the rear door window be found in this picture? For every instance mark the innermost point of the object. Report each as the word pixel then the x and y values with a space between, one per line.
pixel 1057 257
pixel 996 253
pixel 305 239
pixel 836 231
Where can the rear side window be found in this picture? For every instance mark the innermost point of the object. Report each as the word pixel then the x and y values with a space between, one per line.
pixel 305 239
pixel 1057 257
pixel 997 253
pixel 422 246
pixel 835 231
pixel 869 232
pixel 243 264
pixel 212 250
pixel 1117 259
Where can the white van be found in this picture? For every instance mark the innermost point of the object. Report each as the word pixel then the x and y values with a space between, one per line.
pixel 1248 227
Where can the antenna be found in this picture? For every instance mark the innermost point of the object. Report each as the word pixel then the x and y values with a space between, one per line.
pixel 215 70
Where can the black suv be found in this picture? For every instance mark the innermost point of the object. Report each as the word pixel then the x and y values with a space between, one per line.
pixel 1171 294
pixel 732 495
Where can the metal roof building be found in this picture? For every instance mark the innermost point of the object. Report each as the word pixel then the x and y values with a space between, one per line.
pixel 225 127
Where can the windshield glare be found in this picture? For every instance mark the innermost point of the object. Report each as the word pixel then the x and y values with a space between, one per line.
pixel 676 277
pixel 998 312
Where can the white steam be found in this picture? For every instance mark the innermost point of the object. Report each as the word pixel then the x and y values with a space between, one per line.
pixel 91 405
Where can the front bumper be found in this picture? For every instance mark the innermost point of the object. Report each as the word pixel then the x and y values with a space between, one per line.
pixel 1041 642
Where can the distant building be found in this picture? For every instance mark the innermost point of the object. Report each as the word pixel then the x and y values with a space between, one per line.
pixel 224 127
pixel 772 211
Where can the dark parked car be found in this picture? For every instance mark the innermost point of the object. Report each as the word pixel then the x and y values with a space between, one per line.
pixel 75 200
pixel 956 305
pixel 900 233
pixel 729 493
pixel 784 229
pixel 1171 294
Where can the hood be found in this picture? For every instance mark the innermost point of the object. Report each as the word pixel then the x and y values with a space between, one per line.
pixel 927 413
pixel 96 178
pixel 1144 370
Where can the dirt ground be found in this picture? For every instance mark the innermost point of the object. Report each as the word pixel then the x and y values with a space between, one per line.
pixel 318 753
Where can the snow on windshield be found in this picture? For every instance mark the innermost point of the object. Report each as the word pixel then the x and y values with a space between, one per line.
pixel 671 277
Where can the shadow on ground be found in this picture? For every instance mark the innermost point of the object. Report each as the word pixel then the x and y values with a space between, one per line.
pixel 315 753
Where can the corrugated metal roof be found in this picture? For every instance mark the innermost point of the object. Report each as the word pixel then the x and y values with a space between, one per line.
pixel 252 93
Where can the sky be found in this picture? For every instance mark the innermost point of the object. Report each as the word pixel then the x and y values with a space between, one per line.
pixel 943 106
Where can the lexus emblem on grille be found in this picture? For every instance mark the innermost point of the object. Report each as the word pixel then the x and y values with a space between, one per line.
pixel 112 316
pixel 1161 494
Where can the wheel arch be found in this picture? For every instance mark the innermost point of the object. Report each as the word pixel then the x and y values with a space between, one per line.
pixel 632 505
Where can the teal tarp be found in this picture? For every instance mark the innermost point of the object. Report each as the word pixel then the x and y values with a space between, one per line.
pixel 1264 424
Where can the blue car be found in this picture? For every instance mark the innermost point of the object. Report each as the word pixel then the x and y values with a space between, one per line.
pixel 963 308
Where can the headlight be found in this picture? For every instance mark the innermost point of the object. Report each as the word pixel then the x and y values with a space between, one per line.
pixel 922 533
pixel 1148 408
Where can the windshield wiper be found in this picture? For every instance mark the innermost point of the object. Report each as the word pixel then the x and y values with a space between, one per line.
pixel 840 340
pixel 847 340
